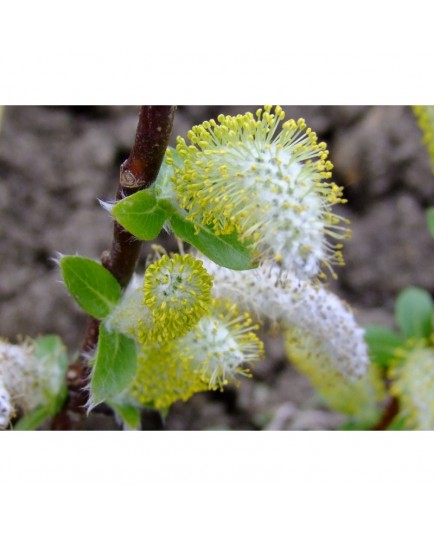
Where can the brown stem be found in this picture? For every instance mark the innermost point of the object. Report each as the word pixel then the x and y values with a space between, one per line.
pixel 390 412
pixel 152 137
pixel 139 171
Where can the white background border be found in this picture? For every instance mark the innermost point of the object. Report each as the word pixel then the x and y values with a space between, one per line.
pixel 223 53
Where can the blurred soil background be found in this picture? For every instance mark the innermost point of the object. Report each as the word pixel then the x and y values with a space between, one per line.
pixel 55 162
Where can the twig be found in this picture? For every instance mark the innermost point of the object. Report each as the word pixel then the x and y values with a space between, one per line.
pixel 390 412
pixel 139 171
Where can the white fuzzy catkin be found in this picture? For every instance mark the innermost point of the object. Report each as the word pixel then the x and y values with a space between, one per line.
pixel 20 380
pixel 6 408
pixel 222 344
pixel 19 374
pixel 124 317
pixel 313 313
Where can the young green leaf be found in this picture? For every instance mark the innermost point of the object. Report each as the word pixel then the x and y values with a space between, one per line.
pixel 129 414
pixel 50 345
pixel 430 220
pixel 382 343
pixel 178 160
pixel 51 352
pixel 225 250
pixel 92 286
pixel 33 420
pixel 114 366
pixel 413 312
pixel 358 425
pixel 162 187
pixel 140 214
pixel 398 424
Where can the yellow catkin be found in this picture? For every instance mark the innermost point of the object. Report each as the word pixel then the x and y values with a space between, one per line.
pixel 209 357
pixel 358 399
pixel 425 117
pixel 412 377
pixel 164 377
pixel 244 174
pixel 177 291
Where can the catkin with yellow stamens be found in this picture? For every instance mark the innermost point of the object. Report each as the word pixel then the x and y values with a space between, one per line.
pixel 241 174
pixel 412 376
pixel 177 290
pixel 209 357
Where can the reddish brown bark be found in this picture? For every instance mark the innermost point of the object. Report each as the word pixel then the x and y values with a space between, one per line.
pixel 139 171
pixel 390 412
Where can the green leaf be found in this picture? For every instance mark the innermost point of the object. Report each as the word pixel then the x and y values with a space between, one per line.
pixel 33 420
pixel 382 343
pixel 58 401
pixel 162 187
pixel 430 220
pixel 398 424
pixel 225 250
pixel 51 353
pixel 413 312
pixel 354 425
pixel 178 160
pixel 50 345
pixel 140 214
pixel 129 414
pixel 114 366
pixel 92 286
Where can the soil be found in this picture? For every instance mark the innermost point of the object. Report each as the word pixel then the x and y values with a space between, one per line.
pixel 56 162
